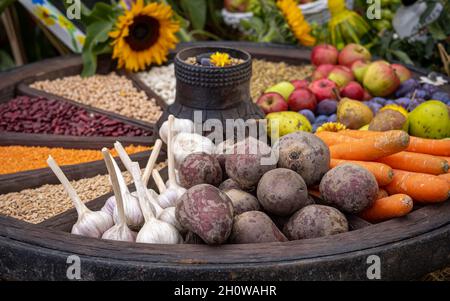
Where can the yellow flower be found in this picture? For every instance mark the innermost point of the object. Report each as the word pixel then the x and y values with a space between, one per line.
pixel 65 23
pixel 296 21
pixel 331 127
pixel 45 15
pixel 219 59
pixel 144 35
pixel 81 39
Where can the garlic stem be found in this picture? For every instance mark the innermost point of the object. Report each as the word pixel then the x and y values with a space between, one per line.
pixel 159 181
pixel 170 155
pixel 78 204
pixel 151 162
pixel 146 208
pixel 115 184
pixel 123 155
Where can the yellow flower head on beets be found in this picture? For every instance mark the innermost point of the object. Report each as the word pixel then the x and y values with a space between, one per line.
pixel 220 59
pixel 331 127
pixel 296 21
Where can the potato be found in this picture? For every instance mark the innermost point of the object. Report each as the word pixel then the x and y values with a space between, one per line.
pixel 305 154
pixel 247 164
pixel 315 221
pixel 199 168
pixel 206 211
pixel 282 191
pixel 255 227
pixel 229 184
pixel 242 201
pixel 349 187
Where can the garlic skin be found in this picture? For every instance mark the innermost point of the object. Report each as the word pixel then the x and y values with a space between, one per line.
pixel 188 143
pixel 168 216
pixel 179 126
pixel 170 196
pixel 158 232
pixel 133 213
pixel 109 205
pixel 120 232
pixel 92 224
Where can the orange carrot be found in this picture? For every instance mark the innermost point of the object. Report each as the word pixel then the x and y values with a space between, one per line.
pixel 382 194
pixel 421 187
pixel 445 158
pixel 416 162
pixel 446 176
pixel 359 134
pixel 438 147
pixel 371 148
pixel 382 172
pixel 389 207
pixel 332 138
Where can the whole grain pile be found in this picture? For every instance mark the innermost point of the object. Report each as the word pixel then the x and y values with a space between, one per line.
pixel 108 92
pixel 38 204
pixel 265 74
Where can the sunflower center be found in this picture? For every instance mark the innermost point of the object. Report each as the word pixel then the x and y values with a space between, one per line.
pixel 144 32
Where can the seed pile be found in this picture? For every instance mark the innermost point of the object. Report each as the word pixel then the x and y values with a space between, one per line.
pixel 41 116
pixel 38 204
pixel 162 81
pixel 265 74
pixel 108 92
pixel 21 158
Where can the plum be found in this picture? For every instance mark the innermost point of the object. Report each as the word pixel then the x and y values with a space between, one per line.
pixel 375 107
pixel 332 118
pixel 321 119
pixel 407 86
pixel 403 101
pixel 308 114
pixel 327 107
pixel 420 93
pixel 379 100
pixel 431 89
pixel 442 96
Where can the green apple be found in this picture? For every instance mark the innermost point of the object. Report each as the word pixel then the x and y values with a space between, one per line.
pixel 283 88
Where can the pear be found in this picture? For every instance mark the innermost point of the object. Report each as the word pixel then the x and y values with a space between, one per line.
pixel 353 113
pixel 430 119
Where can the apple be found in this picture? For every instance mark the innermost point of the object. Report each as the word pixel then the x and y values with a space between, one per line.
pixel 237 5
pixel 381 79
pixel 341 75
pixel 323 89
pixel 302 99
pixel 300 83
pixel 359 68
pixel 322 71
pixel 283 88
pixel 353 90
pixel 324 54
pixel 367 95
pixel 353 52
pixel 402 72
pixel 272 102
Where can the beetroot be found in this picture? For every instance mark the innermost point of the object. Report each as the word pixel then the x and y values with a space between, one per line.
pixel 199 168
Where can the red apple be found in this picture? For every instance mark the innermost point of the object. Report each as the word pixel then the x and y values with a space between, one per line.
pixel 353 90
pixel 402 72
pixel 323 89
pixel 300 83
pixel 341 75
pixel 272 102
pixel 381 79
pixel 352 53
pixel 302 99
pixel 324 54
pixel 237 5
pixel 359 68
pixel 367 95
pixel 322 71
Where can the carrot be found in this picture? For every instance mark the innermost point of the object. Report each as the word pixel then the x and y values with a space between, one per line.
pixel 421 187
pixel 416 162
pixel 332 138
pixel 438 147
pixel 359 134
pixel 389 207
pixel 446 176
pixel 382 172
pixel 382 194
pixel 371 148
pixel 445 158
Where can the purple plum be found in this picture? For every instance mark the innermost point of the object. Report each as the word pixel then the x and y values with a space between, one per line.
pixel 327 107
pixel 332 118
pixel 442 96
pixel 407 86
pixel 403 101
pixel 308 114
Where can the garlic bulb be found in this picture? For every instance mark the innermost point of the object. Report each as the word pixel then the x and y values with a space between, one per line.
pixel 179 126
pixel 89 223
pixel 154 230
pixel 109 205
pixel 120 231
pixel 133 212
pixel 188 143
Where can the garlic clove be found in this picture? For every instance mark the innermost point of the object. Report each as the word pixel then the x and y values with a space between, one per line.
pixel 92 224
pixel 188 143
pixel 179 126
pixel 133 213
pixel 109 205
pixel 120 232
pixel 158 232
pixel 168 216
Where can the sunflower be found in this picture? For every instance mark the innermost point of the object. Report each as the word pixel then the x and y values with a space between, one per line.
pixel 143 35
pixel 331 127
pixel 45 15
pixel 296 21
pixel 219 59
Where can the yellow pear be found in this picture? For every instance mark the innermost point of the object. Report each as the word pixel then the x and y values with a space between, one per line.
pixel 353 113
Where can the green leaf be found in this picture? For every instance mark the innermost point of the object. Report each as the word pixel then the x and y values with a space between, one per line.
pixel 436 31
pixel 4 4
pixel 6 62
pixel 196 11
pixel 402 56
pixel 102 12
